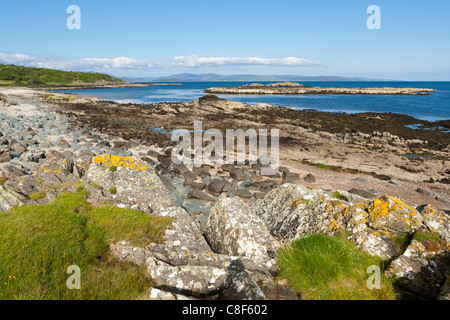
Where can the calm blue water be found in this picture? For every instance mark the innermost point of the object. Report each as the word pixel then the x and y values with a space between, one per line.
pixel 435 106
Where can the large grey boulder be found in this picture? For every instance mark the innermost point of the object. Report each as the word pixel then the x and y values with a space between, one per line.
pixel 136 184
pixel 292 211
pixel 234 230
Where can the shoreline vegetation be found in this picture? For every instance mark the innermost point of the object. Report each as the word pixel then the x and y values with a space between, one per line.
pixel 50 79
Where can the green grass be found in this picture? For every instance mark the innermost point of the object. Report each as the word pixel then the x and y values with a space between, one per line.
pixel 39 195
pixel 38 243
pixel 431 236
pixel 339 196
pixel 322 267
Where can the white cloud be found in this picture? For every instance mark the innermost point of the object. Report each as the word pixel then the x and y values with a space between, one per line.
pixel 197 62
pixel 194 61
pixel 76 64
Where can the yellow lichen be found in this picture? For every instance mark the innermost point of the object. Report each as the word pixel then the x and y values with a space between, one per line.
pixel 121 162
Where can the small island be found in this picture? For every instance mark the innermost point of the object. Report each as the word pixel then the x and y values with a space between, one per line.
pixel 295 88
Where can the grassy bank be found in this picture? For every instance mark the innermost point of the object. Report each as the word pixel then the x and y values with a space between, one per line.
pixel 38 243
pixel 321 267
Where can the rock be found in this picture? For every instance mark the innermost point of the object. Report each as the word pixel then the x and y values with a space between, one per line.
pixel 292 211
pixel 189 175
pixel 67 154
pixel 204 281
pixel 35 156
pixel 10 199
pixel 152 153
pixel 238 174
pixel 259 195
pixel 264 186
pixel 194 185
pixel 227 187
pixel 420 271
pixel 424 192
pixel 310 178
pixel 216 186
pixel 362 193
pixel 376 243
pixel 5 156
pixel 291 177
pixel 393 215
pixel 445 291
pixel 436 221
pixel 193 207
pixel 63 144
pixel 234 230
pixel 11 172
pixel 137 185
pixel 156 294
pixel 201 172
pixel 243 193
pixel 197 194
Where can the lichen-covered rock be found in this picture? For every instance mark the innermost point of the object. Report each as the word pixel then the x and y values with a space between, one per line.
pixel 11 172
pixel 393 215
pixel 10 199
pixel 292 211
pixel 436 220
pixel 376 242
pixel 135 183
pixel 122 251
pixel 419 270
pixel 234 230
pixel 55 170
pixel 204 281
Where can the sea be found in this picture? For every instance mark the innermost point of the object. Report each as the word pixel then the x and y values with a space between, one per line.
pixel 432 107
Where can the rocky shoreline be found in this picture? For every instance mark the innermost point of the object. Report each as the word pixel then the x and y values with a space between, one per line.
pixel 289 88
pixel 230 219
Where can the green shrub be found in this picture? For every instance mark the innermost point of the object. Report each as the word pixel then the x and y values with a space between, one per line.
pixel 113 190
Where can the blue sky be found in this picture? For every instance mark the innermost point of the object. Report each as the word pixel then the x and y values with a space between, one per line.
pixel 155 38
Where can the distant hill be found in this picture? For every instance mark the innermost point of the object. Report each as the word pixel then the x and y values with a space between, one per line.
pixel 207 77
pixel 18 75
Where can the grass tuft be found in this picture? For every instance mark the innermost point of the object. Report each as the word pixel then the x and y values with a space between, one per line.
pixel 330 268
pixel 39 195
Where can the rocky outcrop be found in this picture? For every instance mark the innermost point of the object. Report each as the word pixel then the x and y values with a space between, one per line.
pixel 297 89
pixel 234 230
pixel 422 270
